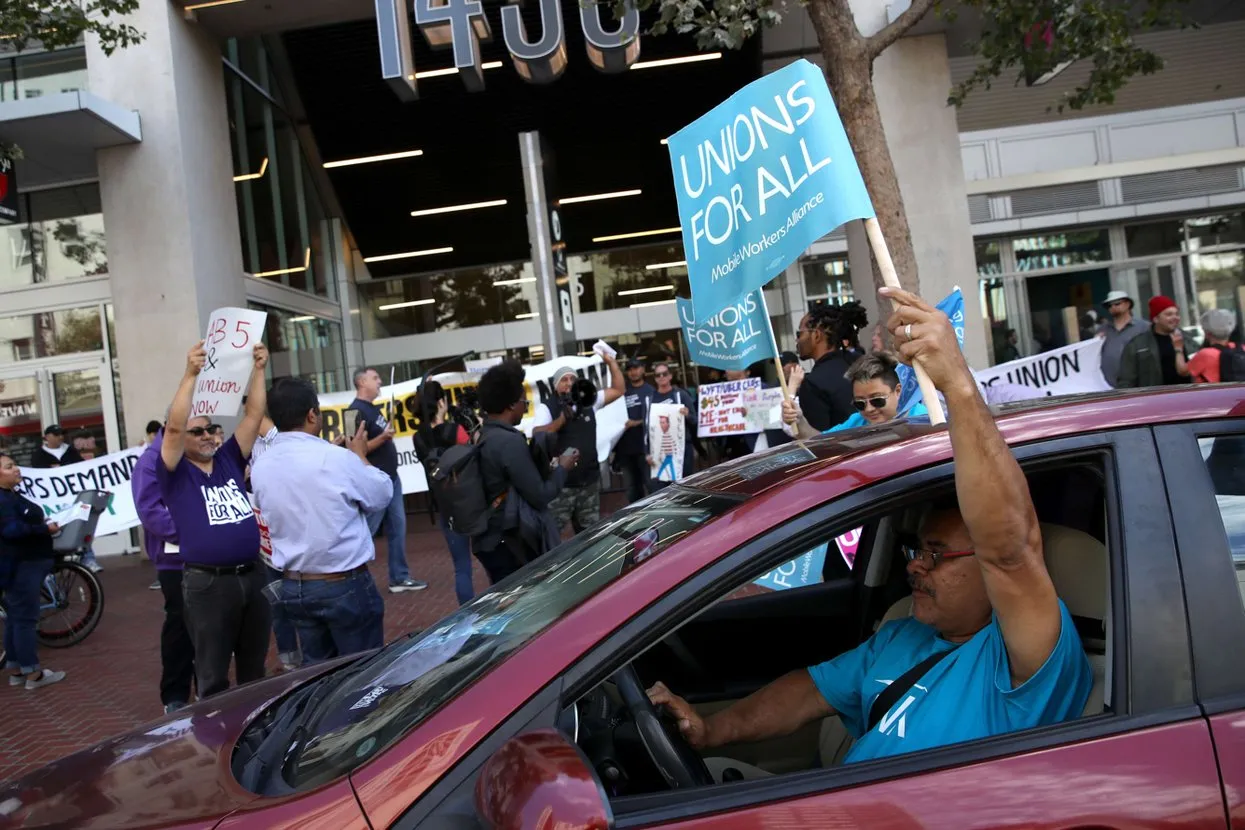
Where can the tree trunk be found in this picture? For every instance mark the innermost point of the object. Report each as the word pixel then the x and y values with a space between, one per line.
pixel 849 72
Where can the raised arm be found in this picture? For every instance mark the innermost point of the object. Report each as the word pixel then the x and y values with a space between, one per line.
pixel 256 404
pixel 992 491
pixel 617 384
pixel 179 413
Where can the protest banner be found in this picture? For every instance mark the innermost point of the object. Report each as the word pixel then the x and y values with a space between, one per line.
pixel 722 408
pixel 230 344
pixel 764 408
pixel 665 441
pixel 1070 370
pixel 734 338
pixel 55 489
pixel 910 391
pixel 400 405
pixel 758 179
pixel 804 570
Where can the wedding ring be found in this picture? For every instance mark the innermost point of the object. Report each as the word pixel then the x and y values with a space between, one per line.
pixel 907 331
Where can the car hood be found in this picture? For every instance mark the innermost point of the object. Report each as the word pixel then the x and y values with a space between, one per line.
pixel 173 772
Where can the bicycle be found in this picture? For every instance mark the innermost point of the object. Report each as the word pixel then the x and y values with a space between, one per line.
pixel 69 584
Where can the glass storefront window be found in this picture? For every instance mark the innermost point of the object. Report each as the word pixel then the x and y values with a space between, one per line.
pixel 1059 250
pixel 50 333
pixel 281 217
pixel 37 74
pixel 450 300
pixel 629 276
pixel 989 258
pixel 60 237
pixel 828 278
pixel 303 346
pixel 1207 231
pixel 1153 238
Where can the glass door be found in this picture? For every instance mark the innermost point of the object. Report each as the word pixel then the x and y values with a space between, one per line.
pixel 75 393
pixel 79 398
pixel 21 414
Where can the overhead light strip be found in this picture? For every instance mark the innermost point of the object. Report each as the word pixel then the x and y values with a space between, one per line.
pixel 597 197
pixel 405 305
pixel 305 318
pixel 657 266
pixel 210 4
pixel 636 234
pixel 518 281
pixel 246 177
pixel 408 255
pixel 656 288
pixel 706 56
pixel 404 154
pixel 457 208
pixel 653 303
pixel 452 70
pixel 525 316
pixel 306 264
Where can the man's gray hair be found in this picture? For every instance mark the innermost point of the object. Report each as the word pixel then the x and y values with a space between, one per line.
pixel 1218 323
pixel 873 366
pixel 360 374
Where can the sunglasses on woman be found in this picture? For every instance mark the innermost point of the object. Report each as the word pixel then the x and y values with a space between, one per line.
pixel 876 403
pixel 210 429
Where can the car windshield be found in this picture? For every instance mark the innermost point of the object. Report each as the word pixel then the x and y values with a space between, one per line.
pixel 409 679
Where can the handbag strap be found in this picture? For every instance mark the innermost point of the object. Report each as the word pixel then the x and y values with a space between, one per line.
pixel 891 694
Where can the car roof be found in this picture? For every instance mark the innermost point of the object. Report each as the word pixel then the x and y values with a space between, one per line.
pixel 1020 422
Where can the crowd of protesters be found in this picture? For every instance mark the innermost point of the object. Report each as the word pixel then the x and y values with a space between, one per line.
pixel 270 532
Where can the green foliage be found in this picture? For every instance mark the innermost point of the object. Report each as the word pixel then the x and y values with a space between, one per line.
pixel 56 24
pixel 717 24
pixel 1035 37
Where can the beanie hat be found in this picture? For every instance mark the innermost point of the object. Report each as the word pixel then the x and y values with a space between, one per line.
pixel 1159 304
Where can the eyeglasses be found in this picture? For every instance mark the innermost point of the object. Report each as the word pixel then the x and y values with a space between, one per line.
pixel 931 558
pixel 876 403
pixel 210 429
pixel 661 374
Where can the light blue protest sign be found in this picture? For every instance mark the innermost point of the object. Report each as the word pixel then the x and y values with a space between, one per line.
pixel 803 570
pixel 760 178
pixel 734 338
pixel 953 306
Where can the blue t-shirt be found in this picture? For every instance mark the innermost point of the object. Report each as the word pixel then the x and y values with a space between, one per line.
pixel 858 420
pixel 967 696
pixel 215 521
pixel 384 457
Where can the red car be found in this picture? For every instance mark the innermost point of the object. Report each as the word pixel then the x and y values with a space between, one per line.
pixel 525 708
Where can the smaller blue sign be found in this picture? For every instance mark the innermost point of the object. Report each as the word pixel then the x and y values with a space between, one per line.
pixel 953 306
pixel 759 178
pixel 734 338
pixel 803 570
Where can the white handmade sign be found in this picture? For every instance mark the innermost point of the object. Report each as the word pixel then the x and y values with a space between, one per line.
pixel 230 344
pixel 722 408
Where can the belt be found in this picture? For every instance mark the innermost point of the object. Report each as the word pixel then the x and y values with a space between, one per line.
pixel 222 570
pixel 302 576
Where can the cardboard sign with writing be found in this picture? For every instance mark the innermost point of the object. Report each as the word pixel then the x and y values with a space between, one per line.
pixel 665 441
pixel 230 343
pixel 723 410
pixel 1068 371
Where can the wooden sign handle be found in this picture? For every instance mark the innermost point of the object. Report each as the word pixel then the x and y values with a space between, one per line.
pixel 883 255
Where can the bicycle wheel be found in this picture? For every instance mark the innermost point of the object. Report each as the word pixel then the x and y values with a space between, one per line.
pixel 71 605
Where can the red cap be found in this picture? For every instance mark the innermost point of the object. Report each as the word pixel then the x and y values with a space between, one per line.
pixel 1160 304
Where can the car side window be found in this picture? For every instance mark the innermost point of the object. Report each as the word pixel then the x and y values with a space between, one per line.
pixel 1225 460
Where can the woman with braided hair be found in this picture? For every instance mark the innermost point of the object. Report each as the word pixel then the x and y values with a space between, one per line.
pixel 829 335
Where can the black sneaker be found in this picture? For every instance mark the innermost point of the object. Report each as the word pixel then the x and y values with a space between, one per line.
pixel 407 585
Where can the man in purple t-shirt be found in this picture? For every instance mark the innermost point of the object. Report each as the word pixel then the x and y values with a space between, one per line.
pixel 203 487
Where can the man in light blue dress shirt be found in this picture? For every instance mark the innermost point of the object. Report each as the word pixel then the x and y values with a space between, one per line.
pixel 315 497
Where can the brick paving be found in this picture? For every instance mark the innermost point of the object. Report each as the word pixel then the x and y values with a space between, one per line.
pixel 113 676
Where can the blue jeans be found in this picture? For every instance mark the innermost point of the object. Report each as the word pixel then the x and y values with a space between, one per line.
pixel 394 517
pixel 282 628
pixel 20 582
pixel 335 617
pixel 460 551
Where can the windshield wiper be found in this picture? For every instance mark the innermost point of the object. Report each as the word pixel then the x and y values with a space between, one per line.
pixel 289 727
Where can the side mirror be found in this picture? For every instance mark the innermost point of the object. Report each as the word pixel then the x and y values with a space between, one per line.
pixel 538 780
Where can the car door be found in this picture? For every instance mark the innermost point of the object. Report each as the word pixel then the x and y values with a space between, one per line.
pixel 1148 761
pixel 1204 471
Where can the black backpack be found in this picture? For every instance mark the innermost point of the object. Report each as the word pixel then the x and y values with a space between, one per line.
pixel 1231 363
pixel 457 483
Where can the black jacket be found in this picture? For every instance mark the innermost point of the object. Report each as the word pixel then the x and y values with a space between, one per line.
pixel 826 393
pixel 506 462
pixel 41 459
pixel 23 527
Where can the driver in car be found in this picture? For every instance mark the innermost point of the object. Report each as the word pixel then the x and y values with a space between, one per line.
pixel 989 648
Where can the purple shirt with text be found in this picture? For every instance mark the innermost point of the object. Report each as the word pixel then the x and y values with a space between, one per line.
pixel 214 519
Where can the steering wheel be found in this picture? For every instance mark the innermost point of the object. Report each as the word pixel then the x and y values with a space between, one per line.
pixel 673 756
